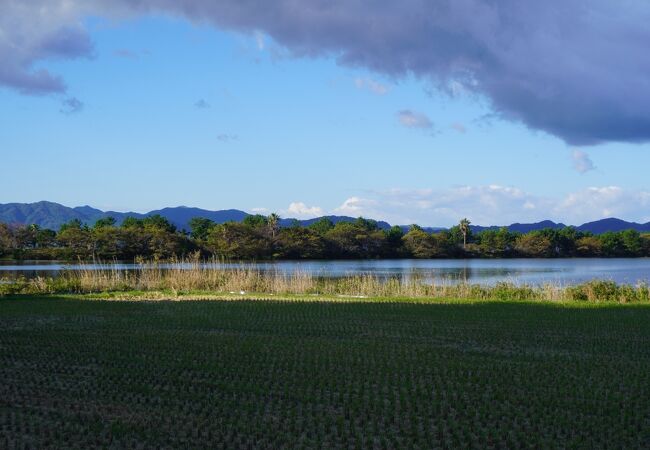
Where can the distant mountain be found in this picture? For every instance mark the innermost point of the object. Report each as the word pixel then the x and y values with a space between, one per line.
pixel 596 227
pixel 335 219
pixel 181 215
pixel 46 214
pixel 522 227
pixel 613 224
pixel 53 215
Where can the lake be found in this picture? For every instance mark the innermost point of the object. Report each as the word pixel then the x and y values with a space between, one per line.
pixel 564 271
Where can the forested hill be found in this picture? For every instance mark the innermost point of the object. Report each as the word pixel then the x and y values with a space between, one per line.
pixel 52 215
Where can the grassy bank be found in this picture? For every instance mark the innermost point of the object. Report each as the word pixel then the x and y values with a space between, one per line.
pixel 190 278
pixel 273 374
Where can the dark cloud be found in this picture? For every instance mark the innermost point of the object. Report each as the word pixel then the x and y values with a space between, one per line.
pixel 575 69
pixel 201 104
pixel 34 31
pixel 30 82
pixel 67 42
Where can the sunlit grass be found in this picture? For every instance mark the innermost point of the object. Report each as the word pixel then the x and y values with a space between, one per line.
pixel 217 279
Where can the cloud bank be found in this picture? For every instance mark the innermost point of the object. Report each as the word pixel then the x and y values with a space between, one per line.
pixel 575 69
pixel 498 205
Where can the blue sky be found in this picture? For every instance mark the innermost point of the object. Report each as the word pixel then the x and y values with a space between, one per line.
pixel 164 111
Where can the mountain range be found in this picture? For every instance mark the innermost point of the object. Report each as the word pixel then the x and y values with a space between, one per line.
pixel 53 215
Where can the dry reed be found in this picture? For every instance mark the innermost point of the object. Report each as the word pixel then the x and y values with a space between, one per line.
pixel 194 276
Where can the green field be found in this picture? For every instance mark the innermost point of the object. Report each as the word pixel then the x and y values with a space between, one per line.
pixel 288 374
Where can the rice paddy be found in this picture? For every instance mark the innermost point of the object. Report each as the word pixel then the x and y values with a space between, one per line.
pixel 79 373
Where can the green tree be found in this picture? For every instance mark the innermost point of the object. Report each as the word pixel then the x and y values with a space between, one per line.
pixel 108 242
pixel 566 240
pixel 394 244
pixel 612 244
pixel 105 222
pixel 131 222
pixel 273 224
pixel 7 240
pixel 164 244
pixel 632 242
pixel 420 244
pixel 645 244
pixel 45 238
pixel 322 225
pixel 26 236
pixel 535 244
pixel 134 241
pixel 256 221
pixel 74 224
pixel 158 222
pixel 366 224
pixel 300 243
pixel 200 228
pixel 463 225
pixel 356 240
pixel 589 246
pixel 496 243
pixel 234 240
pixel 76 240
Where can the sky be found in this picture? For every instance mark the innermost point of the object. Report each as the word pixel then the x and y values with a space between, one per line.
pixel 418 112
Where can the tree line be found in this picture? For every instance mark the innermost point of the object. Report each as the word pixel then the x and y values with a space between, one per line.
pixel 261 237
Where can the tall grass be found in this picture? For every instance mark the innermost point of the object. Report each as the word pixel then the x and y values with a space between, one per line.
pixel 191 275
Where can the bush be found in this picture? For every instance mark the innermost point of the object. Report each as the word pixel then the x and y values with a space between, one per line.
pixel 604 291
pixel 509 291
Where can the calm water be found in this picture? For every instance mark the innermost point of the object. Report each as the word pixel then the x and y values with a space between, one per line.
pixel 483 271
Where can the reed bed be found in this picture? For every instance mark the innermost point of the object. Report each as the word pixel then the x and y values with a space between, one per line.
pixel 192 275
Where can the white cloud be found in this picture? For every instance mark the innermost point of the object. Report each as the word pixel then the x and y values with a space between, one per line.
pixel 581 161
pixel 484 205
pixel 413 119
pixel 300 210
pixel 609 201
pixel 497 205
pixel 357 206
pixel 371 85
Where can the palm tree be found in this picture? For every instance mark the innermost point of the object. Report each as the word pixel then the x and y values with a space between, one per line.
pixel 273 224
pixel 464 229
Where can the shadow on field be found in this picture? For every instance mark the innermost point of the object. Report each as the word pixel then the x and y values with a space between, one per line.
pixel 348 318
